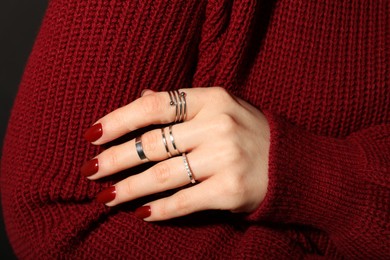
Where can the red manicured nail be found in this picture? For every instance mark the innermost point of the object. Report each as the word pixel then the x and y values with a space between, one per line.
pixel 106 195
pixel 143 212
pixel 94 133
pixel 89 168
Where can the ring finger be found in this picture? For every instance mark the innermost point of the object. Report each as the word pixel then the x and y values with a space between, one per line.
pixel 166 175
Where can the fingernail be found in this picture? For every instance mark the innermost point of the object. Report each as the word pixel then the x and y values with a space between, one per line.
pixel 94 133
pixel 146 91
pixel 106 195
pixel 143 91
pixel 89 168
pixel 143 212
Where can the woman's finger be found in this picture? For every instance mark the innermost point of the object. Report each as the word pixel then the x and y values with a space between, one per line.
pixel 166 175
pixel 179 138
pixel 146 92
pixel 150 109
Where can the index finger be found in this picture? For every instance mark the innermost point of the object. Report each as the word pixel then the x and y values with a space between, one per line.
pixel 151 109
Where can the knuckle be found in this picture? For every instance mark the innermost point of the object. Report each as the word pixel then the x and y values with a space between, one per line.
pixel 128 188
pixel 181 202
pixel 151 104
pixel 149 141
pixel 119 118
pixel 221 95
pixel 233 155
pixel 112 157
pixel 218 91
pixel 161 173
pixel 225 124
pixel 162 209
pixel 231 192
pixel 234 187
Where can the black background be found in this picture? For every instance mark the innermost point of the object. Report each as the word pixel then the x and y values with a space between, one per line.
pixel 19 25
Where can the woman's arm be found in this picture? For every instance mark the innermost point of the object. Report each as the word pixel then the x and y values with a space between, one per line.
pixel 341 186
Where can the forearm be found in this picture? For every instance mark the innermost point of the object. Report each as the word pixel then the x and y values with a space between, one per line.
pixel 337 185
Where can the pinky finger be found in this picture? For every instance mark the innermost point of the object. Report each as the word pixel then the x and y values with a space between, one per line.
pixel 196 198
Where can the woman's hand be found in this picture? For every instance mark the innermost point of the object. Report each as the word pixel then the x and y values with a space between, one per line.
pixel 226 141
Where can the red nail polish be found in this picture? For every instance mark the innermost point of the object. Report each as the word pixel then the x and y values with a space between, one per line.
pixel 106 195
pixel 143 212
pixel 94 133
pixel 89 168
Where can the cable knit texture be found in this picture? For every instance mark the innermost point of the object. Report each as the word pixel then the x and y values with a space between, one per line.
pixel 318 69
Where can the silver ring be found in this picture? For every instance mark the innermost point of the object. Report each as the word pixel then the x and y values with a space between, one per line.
pixel 183 97
pixel 139 148
pixel 174 101
pixel 165 142
pixel 188 169
pixel 177 94
pixel 173 140
pixel 178 99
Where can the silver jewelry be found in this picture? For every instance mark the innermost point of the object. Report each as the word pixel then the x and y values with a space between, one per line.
pixel 165 142
pixel 173 140
pixel 178 99
pixel 173 102
pixel 177 94
pixel 188 169
pixel 139 148
pixel 183 98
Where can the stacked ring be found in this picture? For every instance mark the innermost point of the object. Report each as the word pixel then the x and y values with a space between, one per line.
pixel 178 99
pixel 165 143
pixel 172 139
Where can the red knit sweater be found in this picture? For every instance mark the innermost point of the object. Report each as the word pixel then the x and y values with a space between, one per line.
pixel 319 70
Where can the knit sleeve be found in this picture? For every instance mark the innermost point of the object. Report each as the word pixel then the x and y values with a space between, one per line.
pixel 341 186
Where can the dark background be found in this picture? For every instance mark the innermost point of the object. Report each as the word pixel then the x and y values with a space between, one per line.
pixel 19 25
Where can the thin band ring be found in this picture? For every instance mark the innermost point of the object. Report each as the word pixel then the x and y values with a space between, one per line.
pixel 183 105
pixel 173 102
pixel 173 140
pixel 165 142
pixel 139 149
pixel 183 97
pixel 188 169
pixel 177 94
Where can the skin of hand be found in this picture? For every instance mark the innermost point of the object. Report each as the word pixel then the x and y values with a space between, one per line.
pixel 227 145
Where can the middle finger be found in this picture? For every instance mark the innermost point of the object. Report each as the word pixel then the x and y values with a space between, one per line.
pixel 186 136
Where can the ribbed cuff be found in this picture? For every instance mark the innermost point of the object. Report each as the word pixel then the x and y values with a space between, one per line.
pixel 311 178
